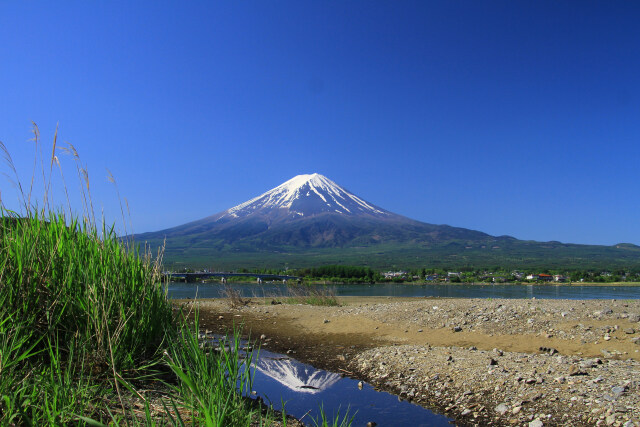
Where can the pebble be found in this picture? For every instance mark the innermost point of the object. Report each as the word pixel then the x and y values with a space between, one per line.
pixel 536 423
pixel 530 385
pixel 618 391
pixel 501 408
pixel 575 370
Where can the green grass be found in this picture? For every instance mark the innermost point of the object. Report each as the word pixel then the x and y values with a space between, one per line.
pixel 79 312
pixel 311 295
pixel 87 334
pixel 212 383
pixel 338 420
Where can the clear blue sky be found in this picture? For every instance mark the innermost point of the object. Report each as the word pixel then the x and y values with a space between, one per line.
pixel 509 117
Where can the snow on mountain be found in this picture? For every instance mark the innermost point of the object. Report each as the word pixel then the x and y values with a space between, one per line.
pixel 306 195
pixel 308 211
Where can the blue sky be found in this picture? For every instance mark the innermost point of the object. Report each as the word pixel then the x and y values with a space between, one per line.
pixel 518 118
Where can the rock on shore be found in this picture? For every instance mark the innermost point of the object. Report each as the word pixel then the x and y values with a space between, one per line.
pixel 506 387
pixel 481 361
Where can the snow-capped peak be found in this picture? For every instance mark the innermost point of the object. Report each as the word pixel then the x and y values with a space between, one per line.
pixel 307 195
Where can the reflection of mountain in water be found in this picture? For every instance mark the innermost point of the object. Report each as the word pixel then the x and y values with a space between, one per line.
pixel 295 375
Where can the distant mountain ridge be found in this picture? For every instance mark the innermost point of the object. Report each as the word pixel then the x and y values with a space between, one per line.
pixel 310 219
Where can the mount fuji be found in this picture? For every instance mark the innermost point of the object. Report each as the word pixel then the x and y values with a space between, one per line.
pixel 307 195
pixel 310 219
pixel 309 211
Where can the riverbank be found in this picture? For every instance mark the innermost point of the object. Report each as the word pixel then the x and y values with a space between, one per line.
pixel 244 280
pixel 482 361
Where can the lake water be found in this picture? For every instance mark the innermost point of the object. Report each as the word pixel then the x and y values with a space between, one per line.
pixel 304 390
pixel 216 290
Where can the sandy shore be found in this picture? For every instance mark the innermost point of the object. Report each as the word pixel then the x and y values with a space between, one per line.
pixel 481 361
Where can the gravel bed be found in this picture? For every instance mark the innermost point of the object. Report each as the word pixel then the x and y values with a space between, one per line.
pixel 506 388
pixel 555 362
pixel 497 387
pixel 508 316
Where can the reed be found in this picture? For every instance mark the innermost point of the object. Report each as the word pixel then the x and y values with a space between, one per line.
pixel 83 318
pixel 234 297
pixel 212 383
pixel 311 295
pixel 87 334
pixel 338 420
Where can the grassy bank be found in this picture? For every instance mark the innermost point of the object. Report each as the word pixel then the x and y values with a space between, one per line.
pixel 87 335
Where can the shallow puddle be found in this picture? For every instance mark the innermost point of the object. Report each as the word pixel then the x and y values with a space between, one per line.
pixel 304 389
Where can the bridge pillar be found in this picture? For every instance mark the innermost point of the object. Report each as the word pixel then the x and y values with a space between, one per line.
pixel 223 280
pixel 259 280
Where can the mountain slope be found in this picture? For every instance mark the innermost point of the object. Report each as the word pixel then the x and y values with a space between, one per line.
pixel 312 220
pixel 310 211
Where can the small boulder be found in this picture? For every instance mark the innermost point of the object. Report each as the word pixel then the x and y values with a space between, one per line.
pixel 586 364
pixel 575 370
pixel 501 408
pixel 618 390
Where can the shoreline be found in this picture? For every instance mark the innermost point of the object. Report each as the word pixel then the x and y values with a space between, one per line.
pixel 482 362
pixel 330 283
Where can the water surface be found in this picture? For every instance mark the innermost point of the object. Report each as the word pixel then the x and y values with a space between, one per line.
pixel 304 390
pixel 216 290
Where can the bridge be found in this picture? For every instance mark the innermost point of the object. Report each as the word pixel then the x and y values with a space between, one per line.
pixel 194 277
